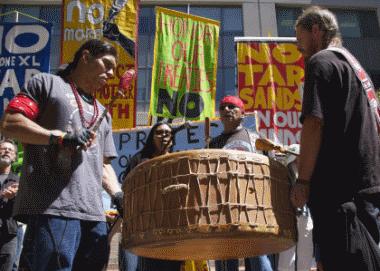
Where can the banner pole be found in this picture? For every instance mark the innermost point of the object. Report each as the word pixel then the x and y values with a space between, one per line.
pixel 150 120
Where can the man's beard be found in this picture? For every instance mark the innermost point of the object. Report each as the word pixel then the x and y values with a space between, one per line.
pixel 5 161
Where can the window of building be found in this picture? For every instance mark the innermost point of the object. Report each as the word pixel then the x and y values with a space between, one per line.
pixel 286 18
pixel 369 24
pixel 352 23
pixel 349 23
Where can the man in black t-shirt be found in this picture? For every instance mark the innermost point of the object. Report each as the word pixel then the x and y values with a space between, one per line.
pixel 236 137
pixel 339 169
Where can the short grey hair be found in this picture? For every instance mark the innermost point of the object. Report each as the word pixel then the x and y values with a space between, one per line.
pixel 8 140
pixel 325 19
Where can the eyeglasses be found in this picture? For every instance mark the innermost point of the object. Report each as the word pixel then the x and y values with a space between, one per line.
pixel 7 149
pixel 163 132
pixel 229 106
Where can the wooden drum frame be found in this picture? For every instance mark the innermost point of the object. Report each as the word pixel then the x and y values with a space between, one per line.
pixel 208 204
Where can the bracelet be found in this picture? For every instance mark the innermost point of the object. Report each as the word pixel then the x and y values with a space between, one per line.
pixel 303 182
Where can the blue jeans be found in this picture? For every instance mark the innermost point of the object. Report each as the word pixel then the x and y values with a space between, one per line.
pixel 227 265
pixel 132 262
pixel 58 243
pixel 259 263
pixel 8 245
pixel 20 238
pixel 149 264
pixel 127 260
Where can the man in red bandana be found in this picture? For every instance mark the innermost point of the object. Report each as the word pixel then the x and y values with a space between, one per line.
pixel 236 137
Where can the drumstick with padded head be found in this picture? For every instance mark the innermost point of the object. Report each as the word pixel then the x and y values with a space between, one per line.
pixel 264 144
pixel 125 84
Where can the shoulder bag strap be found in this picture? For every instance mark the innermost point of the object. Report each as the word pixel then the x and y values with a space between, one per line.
pixel 365 80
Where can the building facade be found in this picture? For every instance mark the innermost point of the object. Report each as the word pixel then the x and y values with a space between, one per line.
pixel 359 22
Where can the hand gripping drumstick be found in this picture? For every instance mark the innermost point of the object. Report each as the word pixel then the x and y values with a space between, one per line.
pixel 124 85
pixel 265 144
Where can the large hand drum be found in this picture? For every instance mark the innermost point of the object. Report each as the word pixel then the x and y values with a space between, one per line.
pixel 208 204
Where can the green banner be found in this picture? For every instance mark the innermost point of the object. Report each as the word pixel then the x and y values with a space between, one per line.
pixel 184 68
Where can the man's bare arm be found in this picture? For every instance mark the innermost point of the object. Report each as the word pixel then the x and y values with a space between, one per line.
pixel 19 127
pixel 310 144
pixel 109 180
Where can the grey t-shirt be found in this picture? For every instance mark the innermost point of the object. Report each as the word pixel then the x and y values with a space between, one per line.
pixel 240 139
pixel 58 181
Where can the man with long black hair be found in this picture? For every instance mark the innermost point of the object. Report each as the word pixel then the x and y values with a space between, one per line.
pixel 66 163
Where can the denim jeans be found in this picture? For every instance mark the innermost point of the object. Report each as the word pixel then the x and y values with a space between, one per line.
pixel 127 260
pixel 20 238
pixel 227 265
pixel 8 245
pixel 149 264
pixel 259 263
pixel 132 262
pixel 58 243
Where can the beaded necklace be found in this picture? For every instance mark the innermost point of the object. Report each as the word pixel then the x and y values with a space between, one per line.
pixel 85 123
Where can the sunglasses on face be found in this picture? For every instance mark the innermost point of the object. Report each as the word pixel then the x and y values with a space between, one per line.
pixel 229 106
